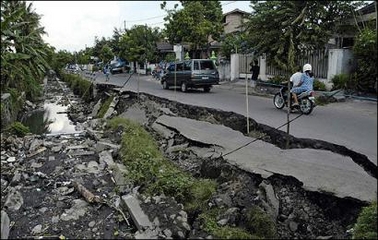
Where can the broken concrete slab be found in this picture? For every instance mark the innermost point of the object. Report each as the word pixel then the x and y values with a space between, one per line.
pixel 78 210
pixel 102 145
pixel 136 114
pixel 318 170
pixel 106 157
pixel 139 217
pixel 163 130
pixel 271 198
pixel 4 225
pixel 14 200
pixel 96 108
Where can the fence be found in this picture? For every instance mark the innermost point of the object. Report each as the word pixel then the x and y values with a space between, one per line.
pixel 318 60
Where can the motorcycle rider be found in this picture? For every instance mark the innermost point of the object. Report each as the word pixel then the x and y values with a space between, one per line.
pixel 305 83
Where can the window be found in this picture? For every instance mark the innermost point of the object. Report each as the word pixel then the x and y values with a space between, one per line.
pixel 180 67
pixel 187 65
pixel 171 67
pixel 196 65
pixel 207 65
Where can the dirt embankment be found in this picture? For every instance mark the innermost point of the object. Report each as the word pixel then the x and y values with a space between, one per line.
pixel 41 175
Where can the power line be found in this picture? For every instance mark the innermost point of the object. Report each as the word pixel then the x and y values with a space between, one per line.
pixel 259 138
pixel 146 18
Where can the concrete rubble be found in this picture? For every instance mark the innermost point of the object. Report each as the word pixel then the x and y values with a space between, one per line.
pixel 40 175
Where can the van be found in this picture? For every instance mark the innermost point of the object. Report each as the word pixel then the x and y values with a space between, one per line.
pixel 193 73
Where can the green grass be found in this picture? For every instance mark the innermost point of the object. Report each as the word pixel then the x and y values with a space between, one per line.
pixel 210 225
pixel 105 107
pixel 366 225
pixel 79 85
pixel 148 167
pixel 18 129
pixel 260 223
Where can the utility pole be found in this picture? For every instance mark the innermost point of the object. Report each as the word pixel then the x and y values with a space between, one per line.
pixel 124 25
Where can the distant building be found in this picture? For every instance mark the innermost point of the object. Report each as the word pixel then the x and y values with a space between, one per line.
pixel 232 21
pixel 365 15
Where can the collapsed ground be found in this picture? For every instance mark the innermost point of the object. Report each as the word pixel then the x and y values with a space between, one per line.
pixel 46 182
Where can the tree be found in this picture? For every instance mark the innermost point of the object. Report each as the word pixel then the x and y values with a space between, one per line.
pixel 106 54
pixel 139 44
pixel 195 23
pixel 365 52
pixel 23 51
pixel 285 30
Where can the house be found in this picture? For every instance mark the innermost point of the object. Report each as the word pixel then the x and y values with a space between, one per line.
pixel 367 14
pixel 232 21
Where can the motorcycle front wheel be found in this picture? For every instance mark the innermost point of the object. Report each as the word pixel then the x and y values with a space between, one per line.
pixel 278 101
pixel 306 106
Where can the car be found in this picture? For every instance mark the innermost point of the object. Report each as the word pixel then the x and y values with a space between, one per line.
pixel 118 66
pixel 193 73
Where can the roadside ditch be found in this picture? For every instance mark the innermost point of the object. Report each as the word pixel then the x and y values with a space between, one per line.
pixel 42 174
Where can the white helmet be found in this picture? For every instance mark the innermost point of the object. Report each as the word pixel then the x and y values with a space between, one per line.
pixel 307 67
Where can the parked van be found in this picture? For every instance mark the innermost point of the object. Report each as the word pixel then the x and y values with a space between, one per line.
pixel 193 73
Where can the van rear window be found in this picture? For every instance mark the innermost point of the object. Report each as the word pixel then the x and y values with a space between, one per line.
pixel 207 65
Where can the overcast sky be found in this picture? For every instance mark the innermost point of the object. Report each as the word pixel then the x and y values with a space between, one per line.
pixel 72 25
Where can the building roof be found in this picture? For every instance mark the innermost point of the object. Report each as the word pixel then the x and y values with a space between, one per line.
pixel 236 10
pixel 367 9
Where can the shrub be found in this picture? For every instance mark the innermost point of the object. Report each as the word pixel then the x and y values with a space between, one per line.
pixel 366 225
pixel 319 85
pixel 78 85
pixel 340 81
pixel 19 129
pixel 365 52
pixel 278 79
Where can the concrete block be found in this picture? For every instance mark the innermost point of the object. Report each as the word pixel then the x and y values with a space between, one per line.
pixel 139 217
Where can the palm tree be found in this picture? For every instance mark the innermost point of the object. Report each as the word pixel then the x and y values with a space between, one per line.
pixel 23 51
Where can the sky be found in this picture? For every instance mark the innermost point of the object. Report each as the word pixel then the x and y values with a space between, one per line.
pixel 73 25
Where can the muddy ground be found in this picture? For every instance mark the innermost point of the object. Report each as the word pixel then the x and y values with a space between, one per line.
pixel 40 176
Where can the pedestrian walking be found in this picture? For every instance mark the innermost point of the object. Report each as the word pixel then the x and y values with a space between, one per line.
pixel 255 70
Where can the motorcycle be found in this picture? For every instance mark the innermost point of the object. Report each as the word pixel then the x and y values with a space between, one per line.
pixel 306 100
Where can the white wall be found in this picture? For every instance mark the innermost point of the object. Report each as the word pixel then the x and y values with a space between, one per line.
pixel 339 61
pixel 235 66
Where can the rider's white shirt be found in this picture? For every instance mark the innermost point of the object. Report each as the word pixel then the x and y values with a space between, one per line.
pixel 296 78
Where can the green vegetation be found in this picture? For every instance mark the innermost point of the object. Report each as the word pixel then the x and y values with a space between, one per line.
pixel 146 164
pixel 194 23
pixel 105 107
pixel 209 219
pixel 277 79
pixel 319 85
pixel 147 167
pixel 366 225
pixel 365 52
pixel 200 192
pixel 24 55
pixel 261 224
pixel 18 129
pixel 304 26
pixel 78 85
pixel 340 81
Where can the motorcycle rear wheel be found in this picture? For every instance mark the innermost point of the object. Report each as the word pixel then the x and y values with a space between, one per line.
pixel 278 101
pixel 306 106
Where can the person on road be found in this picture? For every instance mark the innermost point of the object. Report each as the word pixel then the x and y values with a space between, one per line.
pixel 255 70
pixel 107 72
pixel 305 84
